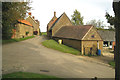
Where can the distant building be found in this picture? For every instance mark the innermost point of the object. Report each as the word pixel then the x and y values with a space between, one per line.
pixel 27 27
pixel 108 38
pixel 35 23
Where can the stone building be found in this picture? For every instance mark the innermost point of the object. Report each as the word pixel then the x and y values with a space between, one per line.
pixel 35 24
pixel 49 25
pixel 22 29
pixel 56 23
pixel 84 38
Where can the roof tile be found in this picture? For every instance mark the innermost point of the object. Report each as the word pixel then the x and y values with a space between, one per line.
pixel 25 22
pixel 73 32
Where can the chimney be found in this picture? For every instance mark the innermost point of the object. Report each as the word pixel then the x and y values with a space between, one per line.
pixel 54 14
pixel 29 13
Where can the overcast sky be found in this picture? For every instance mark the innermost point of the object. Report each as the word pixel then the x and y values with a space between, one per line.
pixel 43 10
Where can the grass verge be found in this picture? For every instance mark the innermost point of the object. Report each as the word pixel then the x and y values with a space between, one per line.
pixel 26 75
pixel 60 47
pixel 43 33
pixel 16 40
pixel 112 63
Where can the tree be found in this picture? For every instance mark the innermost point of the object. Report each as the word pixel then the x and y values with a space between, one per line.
pixel 11 12
pixel 77 19
pixel 116 8
pixel 110 19
pixel 98 24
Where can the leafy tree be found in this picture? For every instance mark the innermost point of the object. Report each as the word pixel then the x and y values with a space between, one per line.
pixel 110 19
pixel 77 19
pixel 11 12
pixel 98 24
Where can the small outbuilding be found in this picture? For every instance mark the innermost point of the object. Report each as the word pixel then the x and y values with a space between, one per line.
pixel 108 38
pixel 84 38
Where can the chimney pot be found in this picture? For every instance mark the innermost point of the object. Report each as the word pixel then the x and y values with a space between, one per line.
pixel 33 17
pixel 29 13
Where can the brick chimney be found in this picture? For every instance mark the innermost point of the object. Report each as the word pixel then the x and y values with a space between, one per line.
pixel 54 14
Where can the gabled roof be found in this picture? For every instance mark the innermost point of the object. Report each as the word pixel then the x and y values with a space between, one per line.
pixel 25 22
pixel 31 18
pixel 58 20
pixel 73 32
pixel 107 35
pixel 52 21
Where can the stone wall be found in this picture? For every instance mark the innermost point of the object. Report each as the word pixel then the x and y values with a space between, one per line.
pixel 21 30
pixel 85 47
pixel 92 35
pixel 91 47
pixel 69 42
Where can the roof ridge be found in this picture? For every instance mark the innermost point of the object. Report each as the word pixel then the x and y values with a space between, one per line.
pixel 25 22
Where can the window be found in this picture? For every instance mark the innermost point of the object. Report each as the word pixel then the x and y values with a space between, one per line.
pixel 92 36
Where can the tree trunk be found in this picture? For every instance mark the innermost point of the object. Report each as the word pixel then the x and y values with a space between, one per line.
pixel 116 8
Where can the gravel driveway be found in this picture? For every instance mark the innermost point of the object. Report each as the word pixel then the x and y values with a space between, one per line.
pixel 31 56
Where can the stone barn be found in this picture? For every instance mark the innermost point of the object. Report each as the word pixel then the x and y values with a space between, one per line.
pixel 84 38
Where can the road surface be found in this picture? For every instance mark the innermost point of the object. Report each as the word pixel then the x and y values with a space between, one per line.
pixel 31 56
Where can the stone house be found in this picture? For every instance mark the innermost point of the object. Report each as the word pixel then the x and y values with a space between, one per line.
pixel 56 23
pixel 51 22
pixel 108 38
pixel 35 24
pixel 22 29
pixel 84 38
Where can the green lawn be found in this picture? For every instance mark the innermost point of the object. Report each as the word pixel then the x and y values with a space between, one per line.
pixel 43 33
pixel 60 47
pixel 16 40
pixel 27 75
pixel 112 63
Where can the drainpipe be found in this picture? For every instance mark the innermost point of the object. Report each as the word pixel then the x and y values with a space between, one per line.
pixel 97 44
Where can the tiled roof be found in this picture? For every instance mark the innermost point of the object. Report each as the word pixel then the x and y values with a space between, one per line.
pixel 107 35
pixel 25 22
pixel 52 21
pixel 73 32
